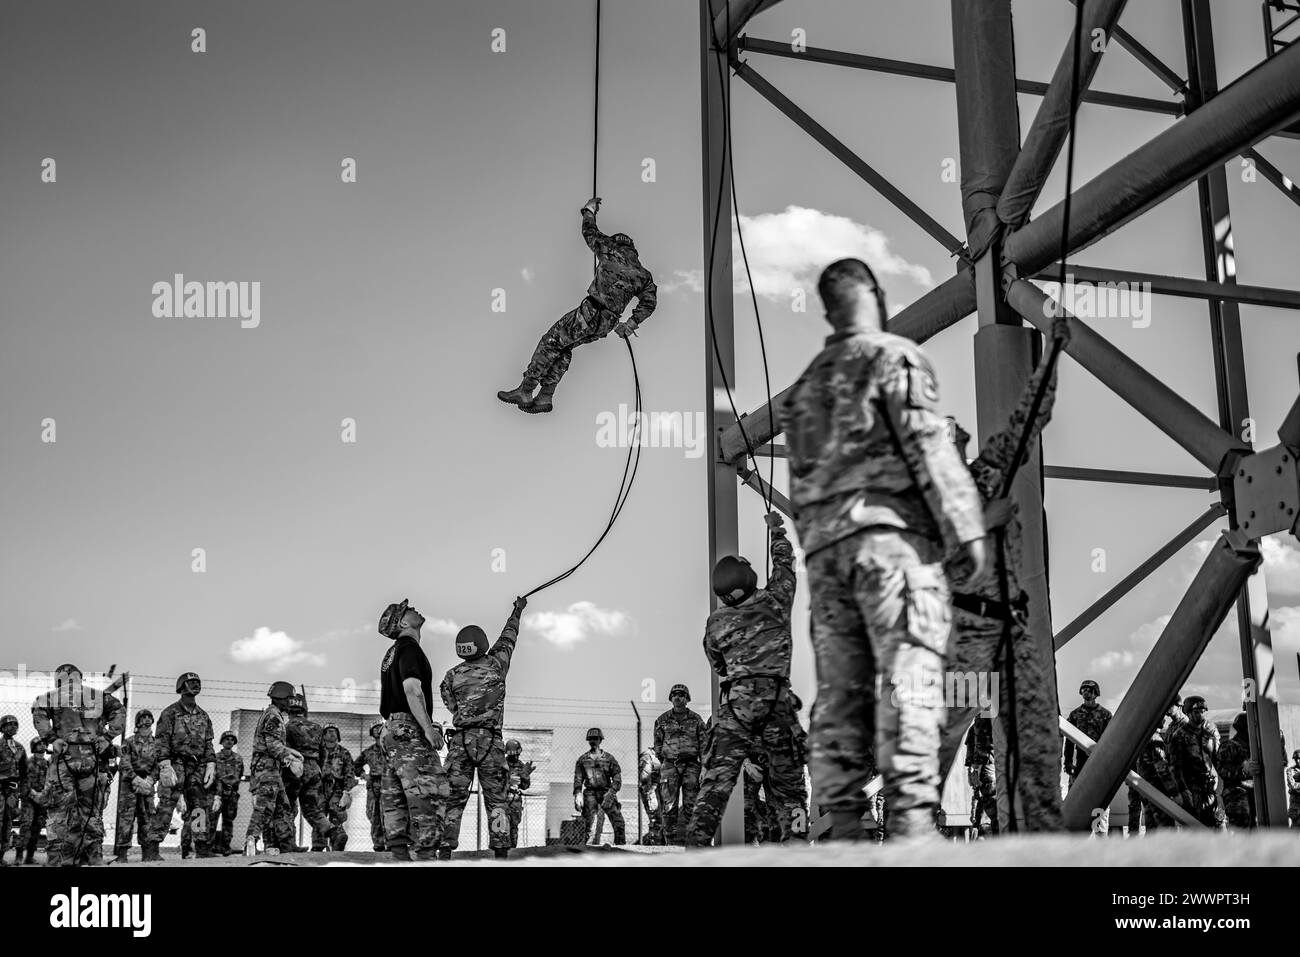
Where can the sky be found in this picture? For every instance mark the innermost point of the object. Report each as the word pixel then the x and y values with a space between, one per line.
pixel 377 308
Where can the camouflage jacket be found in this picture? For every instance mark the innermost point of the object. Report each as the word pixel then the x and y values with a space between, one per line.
pixel 867 447
pixel 649 768
pixel 518 778
pixel 38 767
pixel 1092 722
pixel 475 690
pixel 989 469
pixel 1153 766
pixel 184 735
pixel 1231 763
pixel 269 737
pixel 1293 782
pixel 336 768
pixel 140 755
pixel 679 737
pixel 753 638
pixel 372 758
pixel 619 274
pixel 92 720
pixel 13 760
pixel 230 770
pixel 304 735
pixel 597 771
pixel 1193 752
pixel 979 743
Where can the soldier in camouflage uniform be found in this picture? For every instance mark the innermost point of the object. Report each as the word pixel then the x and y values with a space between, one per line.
pixel 136 782
pixel 519 778
pixel 337 782
pixel 78 724
pixel 985 624
pixel 371 763
pixel 265 783
pixel 878 491
pixel 679 745
pixel 474 691
pixel 230 771
pixel 1293 791
pixel 1153 767
pixel 187 765
pixel 597 779
pixel 619 277
pixel 1236 769
pixel 307 790
pixel 980 774
pixel 747 641
pixel 1193 749
pixel 29 835
pixel 649 779
pixel 1092 719
pixel 13 772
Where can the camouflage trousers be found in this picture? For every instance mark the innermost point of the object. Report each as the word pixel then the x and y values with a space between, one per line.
pixel 679 788
pixel 1238 808
pixel 756 716
pixel 880 610
pixel 29 835
pixel 468 750
pixel 985 800
pixel 554 350
pixel 1207 808
pixel 270 814
pixel 332 795
pixel 594 801
pixel 198 806
pixel 375 815
pixel 414 790
pixel 133 810
pixel 761 821
pixel 223 819
pixel 75 808
pixel 649 794
pixel 1142 812
pixel 515 814
pixel 1033 766
pixel 9 812
pixel 308 791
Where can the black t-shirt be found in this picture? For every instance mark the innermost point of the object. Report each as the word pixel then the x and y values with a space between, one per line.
pixel 404 660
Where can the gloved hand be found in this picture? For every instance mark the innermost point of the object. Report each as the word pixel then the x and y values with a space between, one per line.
pixel 166 776
pixel 774 520
pixel 577 802
pixel 1061 330
pixel 293 761
pixel 438 742
pixel 209 774
pixel 57 747
pixel 143 786
pixel 625 329
pixel 752 771
pixel 1251 767
pixel 345 801
pixel 528 767
pixel 973 777
pixel 520 605
pixel 593 204
pixel 216 804
pixel 609 800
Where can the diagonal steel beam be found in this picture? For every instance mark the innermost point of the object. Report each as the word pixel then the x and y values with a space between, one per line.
pixel 757 483
pixel 1260 102
pixel 1133 578
pixel 1175 285
pixel 1154 479
pixel 1051 123
pixel 733 17
pixel 1148 59
pixel 850 159
pixel 1274 175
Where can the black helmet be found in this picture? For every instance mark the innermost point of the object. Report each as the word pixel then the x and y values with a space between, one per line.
pixel 231 736
pixel 733 580
pixel 680 689
pixel 280 689
pixel 8 720
pixel 377 729
pixel 297 703
pixel 68 669
pixel 141 715
pixel 595 733
pixel 331 727
pixel 471 641
pixel 1191 701
pixel 38 744
pixel 513 747
pixel 1089 683
pixel 390 622
pixel 623 239
pixel 1239 723
pixel 188 676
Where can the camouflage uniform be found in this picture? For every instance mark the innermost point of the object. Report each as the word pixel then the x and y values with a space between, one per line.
pixel 749 647
pixel 878 488
pixel 414 789
pixel 599 778
pixel 138 759
pixel 762 823
pixel 980 773
pixel 1092 722
pixel 372 760
pixel 1238 797
pixel 34 796
pixel 13 772
pixel 619 277
pixel 265 783
pixel 474 691
pixel 230 771
pixel 1192 752
pixel 1293 795
pixel 337 780
pixel 976 646
pixel 304 736
pixel 185 739
pixel 77 784
pixel 518 780
pixel 679 745
pixel 1153 767
pixel 649 775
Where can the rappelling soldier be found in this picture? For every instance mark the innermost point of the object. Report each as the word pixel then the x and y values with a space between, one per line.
pixel 679 743
pixel 619 278
pixel 474 691
pixel 597 779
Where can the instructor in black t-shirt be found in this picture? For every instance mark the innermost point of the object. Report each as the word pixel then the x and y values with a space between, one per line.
pixel 414 788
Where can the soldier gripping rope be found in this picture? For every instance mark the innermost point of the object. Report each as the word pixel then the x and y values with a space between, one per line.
pixel 371 763
pixel 13 772
pixel 474 691
pixel 225 806
pixel 679 743
pixel 878 492
pixel 137 781
pixel 337 781
pixel 597 779
pixel 748 644
pixel 414 787
pixel 265 783
pixel 619 278
pixel 1193 749
pixel 519 778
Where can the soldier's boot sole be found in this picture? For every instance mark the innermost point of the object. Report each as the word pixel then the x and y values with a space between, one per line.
pixel 540 404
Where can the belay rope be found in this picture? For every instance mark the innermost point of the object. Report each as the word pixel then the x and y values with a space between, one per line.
pixel 634 443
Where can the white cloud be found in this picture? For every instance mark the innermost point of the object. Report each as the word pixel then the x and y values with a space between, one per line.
pixel 1112 660
pixel 582 620
pixel 441 627
pixel 527 273
pixel 274 650
pixel 339 634
pixel 68 624
pixel 788 250
pixel 1281 566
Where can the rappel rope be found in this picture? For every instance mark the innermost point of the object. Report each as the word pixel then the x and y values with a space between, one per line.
pixel 634 445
